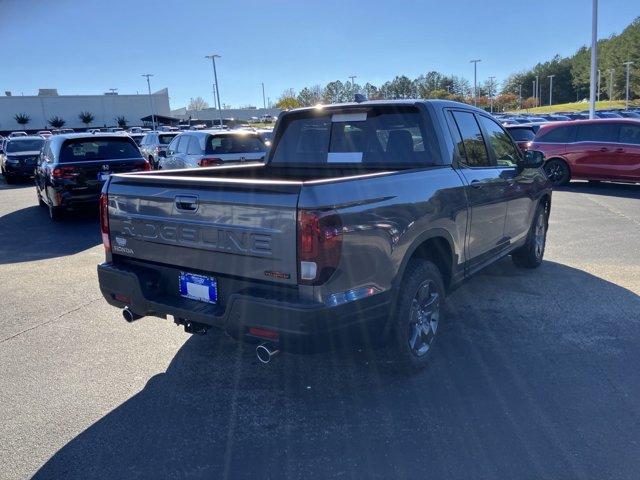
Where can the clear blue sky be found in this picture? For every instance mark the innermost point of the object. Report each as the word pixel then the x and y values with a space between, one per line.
pixel 87 46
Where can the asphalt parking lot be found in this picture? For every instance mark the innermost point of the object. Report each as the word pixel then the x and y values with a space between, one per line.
pixel 536 373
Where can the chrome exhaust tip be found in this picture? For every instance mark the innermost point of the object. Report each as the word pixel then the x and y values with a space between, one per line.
pixel 129 316
pixel 265 352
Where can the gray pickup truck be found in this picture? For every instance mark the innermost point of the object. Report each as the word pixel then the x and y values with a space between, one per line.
pixel 363 216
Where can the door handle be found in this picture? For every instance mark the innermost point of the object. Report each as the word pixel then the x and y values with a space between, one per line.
pixel 187 202
pixel 619 150
pixel 476 183
pixel 603 149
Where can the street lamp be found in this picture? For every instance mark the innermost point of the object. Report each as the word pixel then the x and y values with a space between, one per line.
pixel 611 72
pixel 538 90
pixel 491 93
pixel 475 81
pixel 594 58
pixel 353 83
pixel 264 102
pixel 213 57
pixel 599 78
pixel 153 117
pixel 628 64
pixel 551 89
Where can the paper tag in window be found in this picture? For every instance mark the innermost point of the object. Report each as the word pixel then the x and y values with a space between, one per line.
pixel 344 157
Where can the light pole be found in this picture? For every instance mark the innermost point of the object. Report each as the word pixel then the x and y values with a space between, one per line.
pixel 594 58
pixel 264 102
pixel 213 57
pixel 353 83
pixel 611 72
pixel 475 81
pixel 113 91
pixel 628 64
pixel 538 90
pixel 533 91
pixel 551 90
pixel 491 93
pixel 520 97
pixel 153 116
pixel 599 78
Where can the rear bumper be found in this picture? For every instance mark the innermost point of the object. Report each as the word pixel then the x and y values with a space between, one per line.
pixel 302 326
pixel 19 170
pixel 74 198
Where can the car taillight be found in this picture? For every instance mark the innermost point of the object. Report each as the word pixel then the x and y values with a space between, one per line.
pixel 104 221
pixel 209 162
pixel 64 173
pixel 146 166
pixel 319 245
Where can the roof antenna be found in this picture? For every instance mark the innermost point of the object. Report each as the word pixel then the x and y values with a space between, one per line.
pixel 359 98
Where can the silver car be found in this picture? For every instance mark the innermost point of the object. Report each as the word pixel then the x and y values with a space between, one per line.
pixel 154 144
pixel 206 148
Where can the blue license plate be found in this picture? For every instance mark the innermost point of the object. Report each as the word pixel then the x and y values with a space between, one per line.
pixel 198 287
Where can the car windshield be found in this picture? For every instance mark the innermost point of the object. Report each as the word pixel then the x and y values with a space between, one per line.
pixel 238 143
pixel 24 145
pixel 79 150
pixel 165 138
pixel 382 136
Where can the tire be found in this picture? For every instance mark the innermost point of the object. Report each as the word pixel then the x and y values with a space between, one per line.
pixel 8 178
pixel 417 315
pixel 557 172
pixel 531 254
pixel 55 213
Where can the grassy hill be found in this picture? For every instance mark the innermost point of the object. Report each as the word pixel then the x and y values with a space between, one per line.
pixel 578 107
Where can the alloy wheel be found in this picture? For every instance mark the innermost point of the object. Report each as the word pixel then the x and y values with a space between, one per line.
pixel 423 318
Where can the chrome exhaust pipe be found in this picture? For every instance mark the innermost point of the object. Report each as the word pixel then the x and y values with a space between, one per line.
pixel 265 352
pixel 129 316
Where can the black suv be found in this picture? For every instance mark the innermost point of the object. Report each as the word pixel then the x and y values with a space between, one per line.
pixel 19 158
pixel 72 169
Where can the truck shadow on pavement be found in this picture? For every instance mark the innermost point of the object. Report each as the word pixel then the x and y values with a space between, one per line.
pixel 28 234
pixel 531 378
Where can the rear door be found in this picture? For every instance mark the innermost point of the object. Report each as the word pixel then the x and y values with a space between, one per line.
pixel 207 225
pixel 485 190
pixel 629 156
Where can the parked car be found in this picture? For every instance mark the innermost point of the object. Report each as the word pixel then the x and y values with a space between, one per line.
pixel 522 134
pixel 137 137
pixel 72 168
pixel 17 134
pixel 577 116
pixel 44 133
pixel 362 219
pixel 205 148
pixel 629 114
pixel 153 143
pixel 606 149
pixel 20 156
pixel 608 115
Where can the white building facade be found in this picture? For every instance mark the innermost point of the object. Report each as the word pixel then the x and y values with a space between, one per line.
pixel 105 109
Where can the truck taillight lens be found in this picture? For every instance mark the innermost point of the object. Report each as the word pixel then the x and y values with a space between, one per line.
pixel 64 173
pixel 104 221
pixel 146 166
pixel 319 245
pixel 209 162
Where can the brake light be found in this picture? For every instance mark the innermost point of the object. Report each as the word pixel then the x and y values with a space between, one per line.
pixel 104 221
pixel 146 166
pixel 319 245
pixel 209 162
pixel 64 173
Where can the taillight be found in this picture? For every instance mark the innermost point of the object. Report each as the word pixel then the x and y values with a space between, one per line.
pixel 209 162
pixel 146 166
pixel 104 221
pixel 319 245
pixel 64 173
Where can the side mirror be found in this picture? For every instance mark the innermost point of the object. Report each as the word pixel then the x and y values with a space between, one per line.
pixel 533 159
pixel 162 154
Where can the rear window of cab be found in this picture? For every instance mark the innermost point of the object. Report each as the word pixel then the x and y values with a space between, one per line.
pixel 85 150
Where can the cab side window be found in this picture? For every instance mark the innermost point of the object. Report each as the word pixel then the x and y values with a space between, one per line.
pixel 630 134
pixel 471 147
pixel 183 141
pixel 507 154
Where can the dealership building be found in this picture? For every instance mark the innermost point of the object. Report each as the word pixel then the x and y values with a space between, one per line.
pixel 104 108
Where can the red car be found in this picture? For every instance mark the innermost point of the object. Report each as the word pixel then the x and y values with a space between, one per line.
pixel 604 149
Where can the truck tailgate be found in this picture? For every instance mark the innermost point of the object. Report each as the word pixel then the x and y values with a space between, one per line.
pixel 239 228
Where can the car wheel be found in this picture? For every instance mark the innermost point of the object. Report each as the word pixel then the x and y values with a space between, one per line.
pixel 9 178
pixel 55 213
pixel 418 314
pixel 531 254
pixel 557 172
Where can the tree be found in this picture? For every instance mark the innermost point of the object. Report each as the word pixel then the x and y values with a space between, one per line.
pixel 288 100
pixel 335 92
pixel 197 104
pixel 22 119
pixel 86 118
pixel 57 122
pixel 400 87
pixel 371 91
pixel 122 122
pixel 310 96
